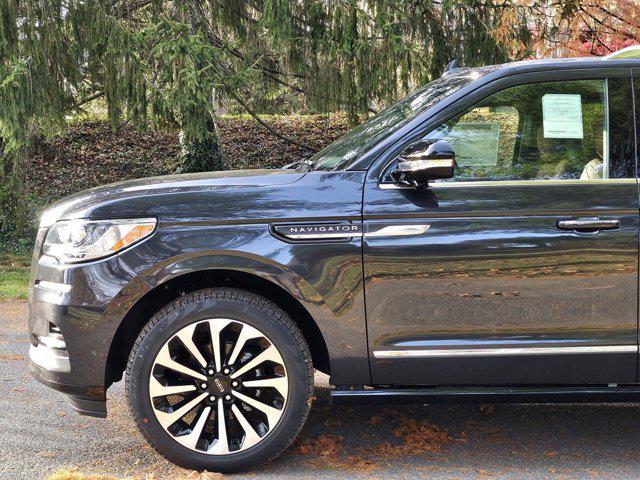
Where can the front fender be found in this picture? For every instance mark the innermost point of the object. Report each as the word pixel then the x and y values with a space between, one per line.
pixel 329 290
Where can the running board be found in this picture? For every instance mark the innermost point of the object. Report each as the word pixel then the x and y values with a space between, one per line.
pixel 613 393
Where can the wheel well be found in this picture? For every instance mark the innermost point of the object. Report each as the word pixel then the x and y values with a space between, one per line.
pixel 162 295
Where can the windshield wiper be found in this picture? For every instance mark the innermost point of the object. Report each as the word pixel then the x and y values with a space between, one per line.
pixel 299 165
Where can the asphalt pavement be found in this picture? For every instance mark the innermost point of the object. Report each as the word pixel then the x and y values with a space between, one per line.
pixel 40 434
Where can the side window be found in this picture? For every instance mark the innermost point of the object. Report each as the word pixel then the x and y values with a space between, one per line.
pixel 543 131
pixel 484 140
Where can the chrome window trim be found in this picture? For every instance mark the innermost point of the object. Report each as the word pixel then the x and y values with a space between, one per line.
pixel 482 352
pixel 512 183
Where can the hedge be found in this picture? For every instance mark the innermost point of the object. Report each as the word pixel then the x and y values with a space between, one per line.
pixel 91 154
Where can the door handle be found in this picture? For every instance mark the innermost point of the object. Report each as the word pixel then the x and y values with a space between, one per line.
pixel 589 224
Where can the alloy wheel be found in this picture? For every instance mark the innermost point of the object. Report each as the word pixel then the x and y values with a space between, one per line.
pixel 218 386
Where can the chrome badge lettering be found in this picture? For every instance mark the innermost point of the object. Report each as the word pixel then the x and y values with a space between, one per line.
pixel 319 231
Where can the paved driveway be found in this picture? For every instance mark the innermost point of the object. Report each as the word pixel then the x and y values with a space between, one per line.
pixel 40 434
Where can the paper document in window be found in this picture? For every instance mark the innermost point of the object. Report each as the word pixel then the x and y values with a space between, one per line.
pixel 475 144
pixel 562 115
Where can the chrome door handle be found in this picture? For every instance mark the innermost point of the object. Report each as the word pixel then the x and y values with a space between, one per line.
pixel 588 224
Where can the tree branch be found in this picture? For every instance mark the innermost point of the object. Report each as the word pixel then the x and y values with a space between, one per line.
pixel 268 127
pixel 607 26
pixel 127 9
pixel 210 37
pixel 281 82
pixel 86 100
pixel 619 17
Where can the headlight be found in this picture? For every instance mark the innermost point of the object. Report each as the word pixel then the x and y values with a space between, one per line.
pixel 72 241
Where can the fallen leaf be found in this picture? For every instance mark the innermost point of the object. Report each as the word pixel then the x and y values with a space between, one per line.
pixel 375 420
pixel 11 358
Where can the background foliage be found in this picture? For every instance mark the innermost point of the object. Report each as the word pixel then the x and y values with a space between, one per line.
pixel 161 76
pixel 63 165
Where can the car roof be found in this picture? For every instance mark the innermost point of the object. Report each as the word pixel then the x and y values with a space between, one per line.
pixel 554 64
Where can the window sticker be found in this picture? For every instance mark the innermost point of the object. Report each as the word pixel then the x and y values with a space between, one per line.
pixel 475 144
pixel 562 115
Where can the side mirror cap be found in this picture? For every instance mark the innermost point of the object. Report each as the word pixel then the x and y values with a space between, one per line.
pixel 424 161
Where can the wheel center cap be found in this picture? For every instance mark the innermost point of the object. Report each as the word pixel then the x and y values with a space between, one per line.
pixel 219 384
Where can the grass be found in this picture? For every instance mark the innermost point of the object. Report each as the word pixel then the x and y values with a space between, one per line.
pixel 14 276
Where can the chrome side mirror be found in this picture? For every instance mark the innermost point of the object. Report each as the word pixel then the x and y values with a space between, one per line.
pixel 424 161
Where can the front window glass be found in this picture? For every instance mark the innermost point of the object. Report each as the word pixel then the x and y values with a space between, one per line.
pixel 542 131
pixel 357 141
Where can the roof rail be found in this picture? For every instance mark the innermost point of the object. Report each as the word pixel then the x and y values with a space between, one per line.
pixel 630 52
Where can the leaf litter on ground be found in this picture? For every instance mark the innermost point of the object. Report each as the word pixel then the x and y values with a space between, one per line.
pixel 75 474
pixel 412 438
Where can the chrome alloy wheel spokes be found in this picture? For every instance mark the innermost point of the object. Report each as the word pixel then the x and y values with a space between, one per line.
pixel 218 386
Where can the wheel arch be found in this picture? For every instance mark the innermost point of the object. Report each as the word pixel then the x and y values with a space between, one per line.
pixel 172 288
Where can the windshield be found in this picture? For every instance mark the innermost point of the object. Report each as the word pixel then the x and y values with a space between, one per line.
pixel 357 141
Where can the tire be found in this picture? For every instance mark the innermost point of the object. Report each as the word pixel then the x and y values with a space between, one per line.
pixel 265 400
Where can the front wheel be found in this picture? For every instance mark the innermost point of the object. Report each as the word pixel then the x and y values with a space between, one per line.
pixel 220 380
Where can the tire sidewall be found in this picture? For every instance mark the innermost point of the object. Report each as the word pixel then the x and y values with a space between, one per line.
pixel 267 318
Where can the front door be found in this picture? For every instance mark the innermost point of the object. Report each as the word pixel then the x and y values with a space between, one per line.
pixel 523 268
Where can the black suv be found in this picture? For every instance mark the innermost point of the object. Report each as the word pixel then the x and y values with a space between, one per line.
pixel 477 240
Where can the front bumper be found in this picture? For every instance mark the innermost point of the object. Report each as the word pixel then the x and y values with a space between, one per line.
pixel 91 401
pixel 50 359
pixel 51 365
pixel 77 366
pixel 71 325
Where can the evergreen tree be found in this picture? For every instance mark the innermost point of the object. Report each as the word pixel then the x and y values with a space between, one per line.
pixel 168 63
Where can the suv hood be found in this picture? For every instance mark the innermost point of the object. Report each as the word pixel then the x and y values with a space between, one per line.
pixel 86 203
